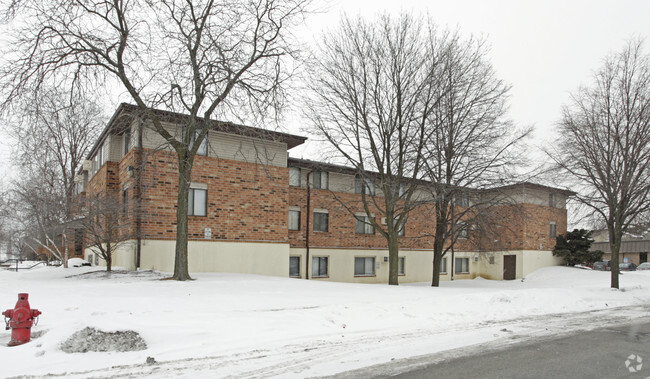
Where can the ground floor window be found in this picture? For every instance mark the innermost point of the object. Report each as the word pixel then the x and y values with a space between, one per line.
pixel 443 265
pixel 400 266
pixel 462 266
pixel 294 267
pixel 318 267
pixel 364 266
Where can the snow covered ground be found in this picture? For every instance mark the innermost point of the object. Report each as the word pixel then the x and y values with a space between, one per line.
pixel 229 325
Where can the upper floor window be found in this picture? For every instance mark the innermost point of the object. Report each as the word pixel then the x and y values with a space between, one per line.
pixel 197 202
pixel 321 221
pixel 125 202
pixel 294 176
pixel 294 218
pixel 462 229
pixel 462 199
pixel 203 148
pixel 127 140
pixel 321 179
pixel 552 230
pixel 363 225
pixel 552 200
pixel 358 185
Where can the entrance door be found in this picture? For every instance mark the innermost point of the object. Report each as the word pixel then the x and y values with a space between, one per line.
pixel 643 257
pixel 509 267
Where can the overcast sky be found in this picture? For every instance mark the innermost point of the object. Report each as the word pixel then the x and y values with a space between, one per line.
pixel 544 49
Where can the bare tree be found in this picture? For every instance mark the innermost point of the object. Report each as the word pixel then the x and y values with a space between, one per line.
pixel 53 131
pixel 604 144
pixel 373 88
pixel 203 58
pixel 105 225
pixel 471 144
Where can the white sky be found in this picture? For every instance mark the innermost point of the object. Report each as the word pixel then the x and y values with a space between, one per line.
pixel 544 49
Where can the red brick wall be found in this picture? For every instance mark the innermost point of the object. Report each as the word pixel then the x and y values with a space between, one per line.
pixel 246 201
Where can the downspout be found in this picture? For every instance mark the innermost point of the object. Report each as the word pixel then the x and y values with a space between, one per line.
pixel 307 228
pixel 138 197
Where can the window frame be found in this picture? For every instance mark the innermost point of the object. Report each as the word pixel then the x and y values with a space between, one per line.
pixel 320 259
pixel 297 228
pixel 125 202
pixel 369 185
pixel 457 266
pixel 365 274
pixel 299 171
pixel 191 202
pixel 364 221
pixel 443 266
pixel 401 263
pixel 126 143
pixel 292 257
pixel 318 184
pixel 326 217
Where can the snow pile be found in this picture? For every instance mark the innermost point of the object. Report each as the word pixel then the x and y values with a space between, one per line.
pixel 223 325
pixel 91 339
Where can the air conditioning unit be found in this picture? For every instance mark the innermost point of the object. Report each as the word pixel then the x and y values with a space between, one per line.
pixel 87 165
pixel 383 220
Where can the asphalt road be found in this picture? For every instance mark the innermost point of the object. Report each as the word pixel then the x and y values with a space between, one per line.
pixel 612 352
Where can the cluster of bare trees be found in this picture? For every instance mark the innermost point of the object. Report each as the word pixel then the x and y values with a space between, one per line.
pixel 202 58
pixel 418 105
pixel 423 109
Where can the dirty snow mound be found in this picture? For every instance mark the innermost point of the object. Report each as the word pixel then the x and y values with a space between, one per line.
pixel 91 339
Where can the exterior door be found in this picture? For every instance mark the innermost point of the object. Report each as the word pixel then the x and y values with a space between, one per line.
pixel 509 267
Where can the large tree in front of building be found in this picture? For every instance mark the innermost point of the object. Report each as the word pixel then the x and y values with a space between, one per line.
pixel 203 58
pixel 604 144
pixel 472 144
pixel 372 90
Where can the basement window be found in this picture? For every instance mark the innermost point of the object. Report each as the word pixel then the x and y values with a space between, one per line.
pixel 462 266
pixel 364 266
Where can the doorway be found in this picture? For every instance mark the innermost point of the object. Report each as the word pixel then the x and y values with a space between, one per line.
pixel 509 267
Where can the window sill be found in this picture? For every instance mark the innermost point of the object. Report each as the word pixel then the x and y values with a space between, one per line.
pixel 295 277
pixel 365 276
pixel 320 277
pixel 462 273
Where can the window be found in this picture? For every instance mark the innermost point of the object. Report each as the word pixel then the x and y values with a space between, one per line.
pixel 369 187
pixel 363 225
pixel 320 221
pixel 318 267
pixel 78 241
pixel 294 267
pixel 552 200
pixel 125 202
pixel 294 176
pixel 321 179
pixel 552 230
pixel 197 202
pixel 462 266
pixel 462 200
pixel 462 230
pixel 127 140
pixel 443 265
pixel 294 219
pixel 492 259
pixel 96 260
pixel 203 148
pixel 364 266
pixel 400 266
pixel 400 231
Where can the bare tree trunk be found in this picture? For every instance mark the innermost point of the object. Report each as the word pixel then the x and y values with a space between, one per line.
pixel 393 259
pixel 181 267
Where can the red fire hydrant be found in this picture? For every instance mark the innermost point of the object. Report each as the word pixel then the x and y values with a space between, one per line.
pixel 21 319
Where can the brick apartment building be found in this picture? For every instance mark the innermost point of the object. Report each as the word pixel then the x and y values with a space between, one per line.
pixel 253 209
